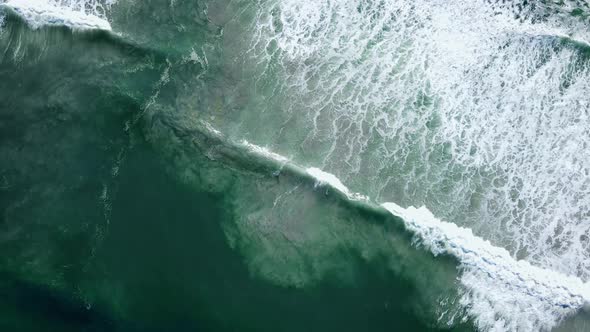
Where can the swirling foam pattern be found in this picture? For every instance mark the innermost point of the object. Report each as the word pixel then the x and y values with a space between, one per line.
pixel 478 110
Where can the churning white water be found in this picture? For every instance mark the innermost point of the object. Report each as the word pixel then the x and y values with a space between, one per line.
pixel 78 14
pixel 477 110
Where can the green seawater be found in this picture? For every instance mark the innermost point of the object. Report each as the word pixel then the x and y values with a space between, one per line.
pixel 121 213
pixel 139 190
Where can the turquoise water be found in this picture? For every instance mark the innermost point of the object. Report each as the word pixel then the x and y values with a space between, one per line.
pixel 222 165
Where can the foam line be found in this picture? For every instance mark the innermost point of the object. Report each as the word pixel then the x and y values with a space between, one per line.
pixel 523 296
pixel 499 292
pixel 264 152
pixel 38 13
pixel 333 181
pixel 476 109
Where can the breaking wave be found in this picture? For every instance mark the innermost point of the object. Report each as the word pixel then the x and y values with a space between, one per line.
pixel 76 14
pixel 500 292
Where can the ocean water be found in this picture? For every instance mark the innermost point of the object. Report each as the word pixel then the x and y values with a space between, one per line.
pixel 288 165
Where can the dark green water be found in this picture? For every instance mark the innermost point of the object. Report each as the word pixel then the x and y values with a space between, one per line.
pixel 113 221
pixel 155 177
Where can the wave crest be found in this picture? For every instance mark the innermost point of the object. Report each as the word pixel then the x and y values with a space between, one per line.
pixel 39 13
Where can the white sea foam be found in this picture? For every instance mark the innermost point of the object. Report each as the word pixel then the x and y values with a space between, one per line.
pixel 330 179
pixel 503 294
pixel 500 292
pixel 264 152
pixel 455 105
pixel 38 13
pixel 322 178
pixel 478 110
pixel 212 130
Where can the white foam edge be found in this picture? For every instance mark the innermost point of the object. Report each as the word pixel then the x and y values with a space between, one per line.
pixel 320 176
pixel 211 130
pixel 264 152
pixel 518 286
pixel 502 293
pixel 38 13
pixel 334 182
pixel 479 255
pixel 506 294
